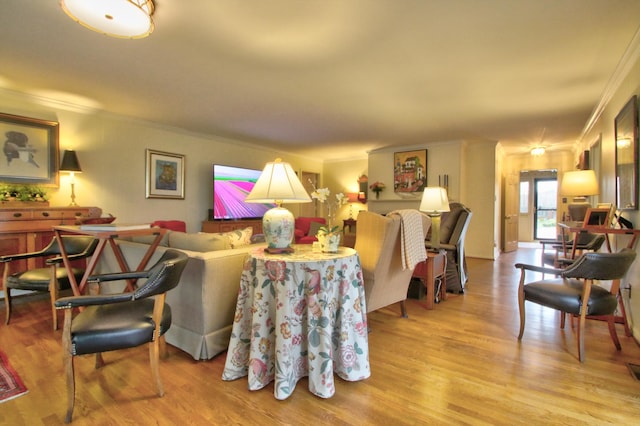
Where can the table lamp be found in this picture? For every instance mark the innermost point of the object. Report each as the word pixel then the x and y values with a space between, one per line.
pixel 71 165
pixel 579 184
pixel 278 184
pixel 434 202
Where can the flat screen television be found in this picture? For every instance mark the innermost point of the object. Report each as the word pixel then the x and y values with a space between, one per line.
pixel 231 185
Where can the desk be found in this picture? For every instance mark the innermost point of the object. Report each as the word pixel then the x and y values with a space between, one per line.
pixel 576 228
pixel 301 314
pixel 105 237
pixel 435 267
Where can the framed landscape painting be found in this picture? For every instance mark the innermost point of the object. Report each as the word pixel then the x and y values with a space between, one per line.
pixel 165 175
pixel 410 171
pixel 30 150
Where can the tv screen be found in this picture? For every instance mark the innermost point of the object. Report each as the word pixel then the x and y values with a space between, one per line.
pixel 231 185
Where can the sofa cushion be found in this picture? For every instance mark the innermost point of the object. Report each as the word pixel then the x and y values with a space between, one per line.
pixel 240 237
pixel 314 227
pixel 201 242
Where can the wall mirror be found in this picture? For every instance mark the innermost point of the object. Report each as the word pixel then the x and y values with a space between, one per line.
pixel 626 137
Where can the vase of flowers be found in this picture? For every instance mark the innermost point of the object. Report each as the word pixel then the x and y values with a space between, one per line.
pixel 377 187
pixel 329 236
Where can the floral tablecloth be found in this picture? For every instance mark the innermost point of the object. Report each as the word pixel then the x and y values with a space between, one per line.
pixel 299 314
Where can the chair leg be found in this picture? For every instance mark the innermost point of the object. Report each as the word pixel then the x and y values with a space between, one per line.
pixel 99 360
pixel 563 320
pixel 54 287
pixel 68 365
pixel 611 321
pixel 164 351
pixel 581 324
pixel 521 309
pixel 7 304
pixel 154 352
pixel 403 309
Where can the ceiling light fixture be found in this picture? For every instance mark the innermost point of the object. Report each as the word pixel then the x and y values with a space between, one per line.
pixel 115 18
pixel 537 151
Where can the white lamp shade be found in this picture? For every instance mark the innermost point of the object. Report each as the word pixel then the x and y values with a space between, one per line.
pixel 434 199
pixel 116 18
pixel 278 182
pixel 579 183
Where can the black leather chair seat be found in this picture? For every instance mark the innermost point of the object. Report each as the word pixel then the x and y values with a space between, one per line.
pixel 106 328
pixel 566 295
pixel 38 279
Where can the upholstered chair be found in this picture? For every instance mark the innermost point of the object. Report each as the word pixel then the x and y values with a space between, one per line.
pixel 578 282
pixel 51 278
pixel 453 231
pixel 378 244
pixel 553 251
pixel 110 322
pixel 306 229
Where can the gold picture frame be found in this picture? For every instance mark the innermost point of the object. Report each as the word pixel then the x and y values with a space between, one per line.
pixel 31 150
pixel 410 171
pixel 165 175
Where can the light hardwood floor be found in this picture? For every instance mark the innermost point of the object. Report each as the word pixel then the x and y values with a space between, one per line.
pixel 460 363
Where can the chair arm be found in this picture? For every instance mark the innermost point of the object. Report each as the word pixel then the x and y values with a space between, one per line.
pixel 20 256
pixel 535 268
pixel 58 259
pixel 100 299
pixel 118 276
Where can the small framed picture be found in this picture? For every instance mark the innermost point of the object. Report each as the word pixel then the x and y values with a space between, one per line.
pixel 410 171
pixel 30 149
pixel 165 175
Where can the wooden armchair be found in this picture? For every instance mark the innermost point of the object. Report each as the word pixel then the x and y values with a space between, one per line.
pixel 52 278
pixel 118 321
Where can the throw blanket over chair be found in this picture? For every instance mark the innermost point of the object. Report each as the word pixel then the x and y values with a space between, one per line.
pixel 453 231
pixel 575 285
pixel 51 278
pixel 117 321
pixel 378 243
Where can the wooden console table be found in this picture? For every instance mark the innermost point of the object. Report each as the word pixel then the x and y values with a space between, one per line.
pixel 430 270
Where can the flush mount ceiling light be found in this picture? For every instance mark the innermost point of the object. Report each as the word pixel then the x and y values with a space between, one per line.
pixel 115 18
pixel 537 151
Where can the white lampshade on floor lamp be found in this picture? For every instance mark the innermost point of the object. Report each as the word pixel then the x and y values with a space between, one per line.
pixel 434 203
pixel 579 184
pixel 278 184
pixel 71 165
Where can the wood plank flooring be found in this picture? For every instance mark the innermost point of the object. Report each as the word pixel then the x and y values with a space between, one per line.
pixel 460 363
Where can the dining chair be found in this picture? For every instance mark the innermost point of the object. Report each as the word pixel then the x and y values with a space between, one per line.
pixel 52 278
pixel 553 250
pixel 575 284
pixel 110 322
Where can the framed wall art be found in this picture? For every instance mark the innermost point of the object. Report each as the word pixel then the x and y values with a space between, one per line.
pixel 410 171
pixel 30 150
pixel 165 175
pixel 626 137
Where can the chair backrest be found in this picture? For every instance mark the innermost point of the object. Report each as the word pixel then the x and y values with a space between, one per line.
pixel 601 266
pixel 378 246
pixel 164 275
pixel 73 244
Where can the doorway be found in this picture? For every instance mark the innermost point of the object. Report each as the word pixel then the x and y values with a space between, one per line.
pixel 545 208
pixel 538 205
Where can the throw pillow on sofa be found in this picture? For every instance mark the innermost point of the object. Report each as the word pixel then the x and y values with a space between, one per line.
pixel 240 237
pixel 314 227
pixel 201 242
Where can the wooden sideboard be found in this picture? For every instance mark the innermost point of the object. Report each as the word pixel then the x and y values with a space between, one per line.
pixel 232 225
pixel 26 229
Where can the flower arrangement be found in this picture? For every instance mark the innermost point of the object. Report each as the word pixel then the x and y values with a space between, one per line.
pixel 322 195
pixel 377 187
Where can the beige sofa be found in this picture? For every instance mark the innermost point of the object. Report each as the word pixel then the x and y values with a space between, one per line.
pixel 203 304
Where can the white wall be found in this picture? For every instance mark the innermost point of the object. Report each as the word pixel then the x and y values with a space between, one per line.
pixel 111 151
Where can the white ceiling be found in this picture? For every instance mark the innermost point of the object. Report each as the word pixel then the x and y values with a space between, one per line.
pixel 310 76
